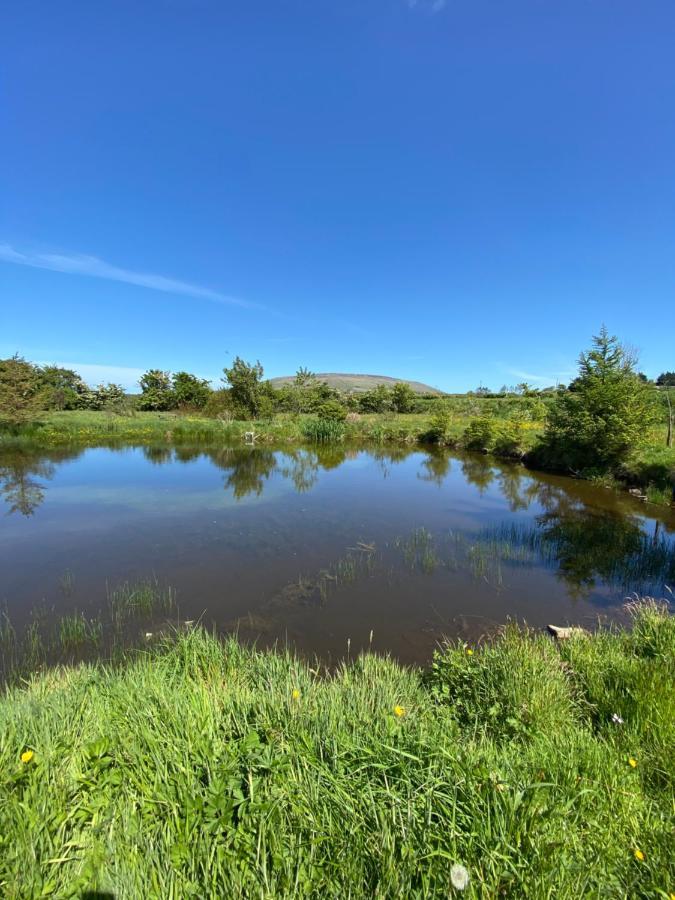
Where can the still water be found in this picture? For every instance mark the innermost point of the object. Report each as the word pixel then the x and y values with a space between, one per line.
pixel 325 549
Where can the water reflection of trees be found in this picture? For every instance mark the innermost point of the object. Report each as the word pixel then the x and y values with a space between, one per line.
pixel 588 547
pixel 478 471
pixel 435 467
pixel 20 471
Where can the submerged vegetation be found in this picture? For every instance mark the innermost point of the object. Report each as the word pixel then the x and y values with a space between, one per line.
pixel 517 768
pixel 75 636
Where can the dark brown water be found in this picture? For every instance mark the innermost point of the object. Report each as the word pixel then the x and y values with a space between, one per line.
pixel 326 547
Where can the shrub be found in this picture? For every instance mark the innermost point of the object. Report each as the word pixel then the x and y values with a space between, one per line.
pixel 509 439
pixel 333 410
pixel 403 398
pixel 480 434
pixel 439 424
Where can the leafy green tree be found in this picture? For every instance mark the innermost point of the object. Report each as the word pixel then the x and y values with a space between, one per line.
pixel 109 396
pixel 666 379
pixel 246 387
pixel 22 394
pixel 303 377
pixel 156 392
pixel 190 391
pixel 64 388
pixel 376 400
pixel 605 413
pixel 403 398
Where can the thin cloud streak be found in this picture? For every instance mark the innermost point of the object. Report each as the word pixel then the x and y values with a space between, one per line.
pixel 553 378
pixel 78 264
pixel 432 6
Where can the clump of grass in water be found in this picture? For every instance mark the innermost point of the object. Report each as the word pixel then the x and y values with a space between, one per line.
pixel 419 551
pixel 46 640
pixel 76 631
pixel 499 754
pixel 137 601
pixel 66 583
pixel 659 496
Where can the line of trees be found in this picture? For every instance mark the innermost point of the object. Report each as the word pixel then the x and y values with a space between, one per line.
pixel 606 410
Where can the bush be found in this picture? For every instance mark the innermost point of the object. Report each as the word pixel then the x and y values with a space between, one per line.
pixel 332 410
pixel 439 424
pixel 509 439
pixel 481 434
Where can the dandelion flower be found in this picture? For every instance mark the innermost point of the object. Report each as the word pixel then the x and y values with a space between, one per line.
pixel 295 694
pixel 616 718
pixel 639 855
pixel 459 876
pixel 26 756
pixel 399 711
pixel 469 651
pixel 632 762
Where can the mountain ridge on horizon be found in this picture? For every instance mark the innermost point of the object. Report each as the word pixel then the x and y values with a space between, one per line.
pixel 355 383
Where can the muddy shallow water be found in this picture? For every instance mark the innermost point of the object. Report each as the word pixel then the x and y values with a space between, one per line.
pixel 329 548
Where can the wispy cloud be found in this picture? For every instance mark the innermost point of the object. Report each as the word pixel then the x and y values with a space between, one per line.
pixel 78 264
pixel 551 378
pixel 431 6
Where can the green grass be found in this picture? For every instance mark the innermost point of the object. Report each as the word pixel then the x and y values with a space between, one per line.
pixel 204 769
pixel 515 426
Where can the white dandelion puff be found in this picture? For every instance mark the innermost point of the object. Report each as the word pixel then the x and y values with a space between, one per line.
pixel 459 876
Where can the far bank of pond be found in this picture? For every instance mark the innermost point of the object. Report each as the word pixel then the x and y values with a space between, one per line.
pixel 332 549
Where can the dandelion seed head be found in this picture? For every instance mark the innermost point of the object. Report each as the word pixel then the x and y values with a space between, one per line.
pixel 459 876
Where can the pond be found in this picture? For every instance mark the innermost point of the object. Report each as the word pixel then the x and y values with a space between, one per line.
pixel 331 550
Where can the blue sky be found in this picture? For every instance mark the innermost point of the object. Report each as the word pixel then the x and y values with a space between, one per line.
pixel 459 192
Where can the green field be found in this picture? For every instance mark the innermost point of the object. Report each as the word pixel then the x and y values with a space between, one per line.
pixel 205 769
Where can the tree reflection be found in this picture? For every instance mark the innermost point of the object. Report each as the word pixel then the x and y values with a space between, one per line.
pixel 478 471
pixel 586 546
pixel 592 546
pixel 19 473
pixel 247 469
pixel 435 467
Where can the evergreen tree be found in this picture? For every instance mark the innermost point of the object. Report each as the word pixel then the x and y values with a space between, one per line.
pixel 606 412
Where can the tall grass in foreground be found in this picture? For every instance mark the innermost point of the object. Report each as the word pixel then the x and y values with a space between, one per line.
pixel 204 769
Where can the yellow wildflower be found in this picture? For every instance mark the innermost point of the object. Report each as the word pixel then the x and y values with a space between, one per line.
pixel 26 756
pixel 469 651
pixel 632 762
pixel 399 711
pixel 639 855
pixel 295 694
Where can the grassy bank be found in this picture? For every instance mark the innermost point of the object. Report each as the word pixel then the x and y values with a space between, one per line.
pixel 502 427
pixel 205 769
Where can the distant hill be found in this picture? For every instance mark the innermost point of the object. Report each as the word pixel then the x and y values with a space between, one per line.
pixel 357 384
